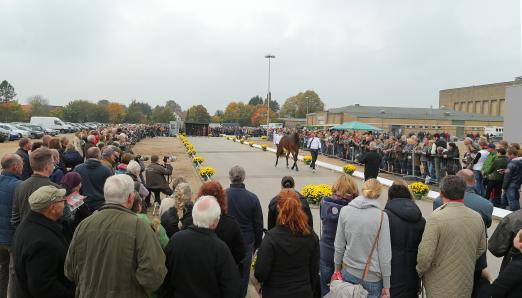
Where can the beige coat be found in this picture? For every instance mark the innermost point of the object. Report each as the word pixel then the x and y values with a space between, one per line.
pixel 454 238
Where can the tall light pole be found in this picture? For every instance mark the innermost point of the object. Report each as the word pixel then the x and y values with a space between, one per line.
pixel 269 95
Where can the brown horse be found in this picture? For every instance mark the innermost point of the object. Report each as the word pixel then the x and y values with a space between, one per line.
pixel 291 144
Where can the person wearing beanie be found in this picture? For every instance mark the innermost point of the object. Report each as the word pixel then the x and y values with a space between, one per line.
pixel 40 247
pixel 287 183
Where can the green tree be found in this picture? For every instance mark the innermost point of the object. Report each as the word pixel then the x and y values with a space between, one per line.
pixel 142 107
pixel 39 105
pixel 162 115
pixel 232 113
pixel 256 100
pixel 7 92
pixel 274 105
pixel 56 112
pixel 84 111
pixel 218 116
pixel 103 102
pixel 198 114
pixel 245 114
pixel 304 102
pixel 174 107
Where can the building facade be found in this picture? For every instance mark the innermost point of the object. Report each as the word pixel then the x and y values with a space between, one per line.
pixel 483 99
pixel 405 120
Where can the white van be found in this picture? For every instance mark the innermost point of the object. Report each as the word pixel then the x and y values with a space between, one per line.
pixel 51 122
pixel 495 131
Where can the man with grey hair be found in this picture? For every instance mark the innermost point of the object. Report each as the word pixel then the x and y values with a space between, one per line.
pixel 131 263
pixel 454 239
pixel 109 155
pixel 42 164
pixel 93 175
pixel 12 165
pixel 40 247
pixel 196 254
pixel 244 206
pixel 371 160
pixel 89 144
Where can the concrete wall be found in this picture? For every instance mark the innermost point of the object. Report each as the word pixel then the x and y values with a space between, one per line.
pixel 512 118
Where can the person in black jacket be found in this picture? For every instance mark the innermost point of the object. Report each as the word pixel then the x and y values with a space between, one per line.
pixel 228 228
pixel 406 229
pixel 244 206
pixel 199 263
pixel 371 161
pixel 287 183
pixel 509 281
pixel 72 157
pixel 287 262
pixel 40 248
pixel 23 150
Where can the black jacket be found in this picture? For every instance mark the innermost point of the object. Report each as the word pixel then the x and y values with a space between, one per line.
pixel 93 175
pixel 509 282
pixel 273 212
pixel 170 219
pixel 228 230
pixel 406 229
pixel 21 196
pixel 40 249
pixel 27 170
pixel 244 206
pixel 199 265
pixel 513 173
pixel 287 265
pixel 371 161
pixel 72 158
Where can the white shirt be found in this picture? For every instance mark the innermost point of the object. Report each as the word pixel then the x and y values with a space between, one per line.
pixel 314 143
pixel 480 163
pixel 277 138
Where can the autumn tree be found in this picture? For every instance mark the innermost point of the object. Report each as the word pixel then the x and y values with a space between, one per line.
pixel 7 92
pixel 39 105
pixel 232 113
pixel 56 112
pixel 116 112
pixel 218 116
pixel 259 115
pixel 11 111
pixel 198 114
pixel 299 105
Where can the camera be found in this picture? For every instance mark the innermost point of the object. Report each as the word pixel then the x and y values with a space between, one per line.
pixel 169 158
pixel 139 158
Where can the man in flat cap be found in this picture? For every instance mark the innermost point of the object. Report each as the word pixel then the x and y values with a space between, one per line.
pixel 40 247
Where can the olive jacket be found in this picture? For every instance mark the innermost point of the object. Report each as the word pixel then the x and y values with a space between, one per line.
pixel 115 254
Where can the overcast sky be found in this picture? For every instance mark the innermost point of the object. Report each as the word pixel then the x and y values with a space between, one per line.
pixel 371 52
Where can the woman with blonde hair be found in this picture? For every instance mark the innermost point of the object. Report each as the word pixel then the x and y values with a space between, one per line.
pixel 344 191
pixel 178 214
pixel 362 243
pixel 288 259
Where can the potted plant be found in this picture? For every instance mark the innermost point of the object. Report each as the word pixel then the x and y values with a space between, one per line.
pixel 307 159
pixel 197 160
pixel 314 193
pixel 419 189
pixel 349 169
pixel 206 172
pixel 264 147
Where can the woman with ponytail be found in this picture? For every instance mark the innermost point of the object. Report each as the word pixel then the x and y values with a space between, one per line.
pixel 288 183
pixel 288 259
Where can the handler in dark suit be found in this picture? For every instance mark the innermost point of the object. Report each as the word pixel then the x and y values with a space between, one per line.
pixel 371 161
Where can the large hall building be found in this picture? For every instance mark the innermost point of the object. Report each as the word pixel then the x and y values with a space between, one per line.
pixel 486 99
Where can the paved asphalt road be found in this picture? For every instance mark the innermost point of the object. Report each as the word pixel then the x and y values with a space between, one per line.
pixel 264 179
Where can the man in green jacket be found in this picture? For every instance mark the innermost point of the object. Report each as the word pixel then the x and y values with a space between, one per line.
pixel 113 253
pixel 495 175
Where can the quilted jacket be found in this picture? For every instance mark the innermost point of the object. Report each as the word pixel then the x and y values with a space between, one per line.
pixel 453 240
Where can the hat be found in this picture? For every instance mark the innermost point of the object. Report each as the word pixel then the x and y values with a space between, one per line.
pixel 71 180
pixel 44 196
pixel 491 146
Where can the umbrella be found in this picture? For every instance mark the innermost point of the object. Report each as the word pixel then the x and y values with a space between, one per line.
pixel 356 125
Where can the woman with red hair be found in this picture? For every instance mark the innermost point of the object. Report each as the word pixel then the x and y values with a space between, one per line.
pixel 288 260
pixel 228 228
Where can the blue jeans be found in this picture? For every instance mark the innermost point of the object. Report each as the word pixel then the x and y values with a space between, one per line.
pixel 479 185
pixel 513 197
pixel 374 288
pixel 247 261
pixel 326 275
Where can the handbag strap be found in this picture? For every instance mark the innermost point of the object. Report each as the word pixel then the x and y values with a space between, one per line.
pixel 367 267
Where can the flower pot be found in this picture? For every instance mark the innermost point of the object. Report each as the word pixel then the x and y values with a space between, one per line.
pixel 418 196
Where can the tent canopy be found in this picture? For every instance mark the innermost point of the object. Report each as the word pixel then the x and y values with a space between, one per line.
pixel 356 125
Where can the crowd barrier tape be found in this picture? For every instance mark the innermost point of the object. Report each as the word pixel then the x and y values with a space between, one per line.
pixel 498 213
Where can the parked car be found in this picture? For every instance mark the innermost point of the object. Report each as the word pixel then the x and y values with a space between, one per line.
pixel 33 134
pixel 21 132
pixel 4 135
pixel 47 131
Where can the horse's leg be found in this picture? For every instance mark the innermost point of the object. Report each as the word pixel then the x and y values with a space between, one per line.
pixel 287 155
pixel 277 159
pixel 295 163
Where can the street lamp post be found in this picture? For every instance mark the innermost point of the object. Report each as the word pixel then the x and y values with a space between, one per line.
pixel 269 95
pixel 307 104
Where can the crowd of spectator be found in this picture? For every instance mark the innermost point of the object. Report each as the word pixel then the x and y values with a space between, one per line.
pixel 79 224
